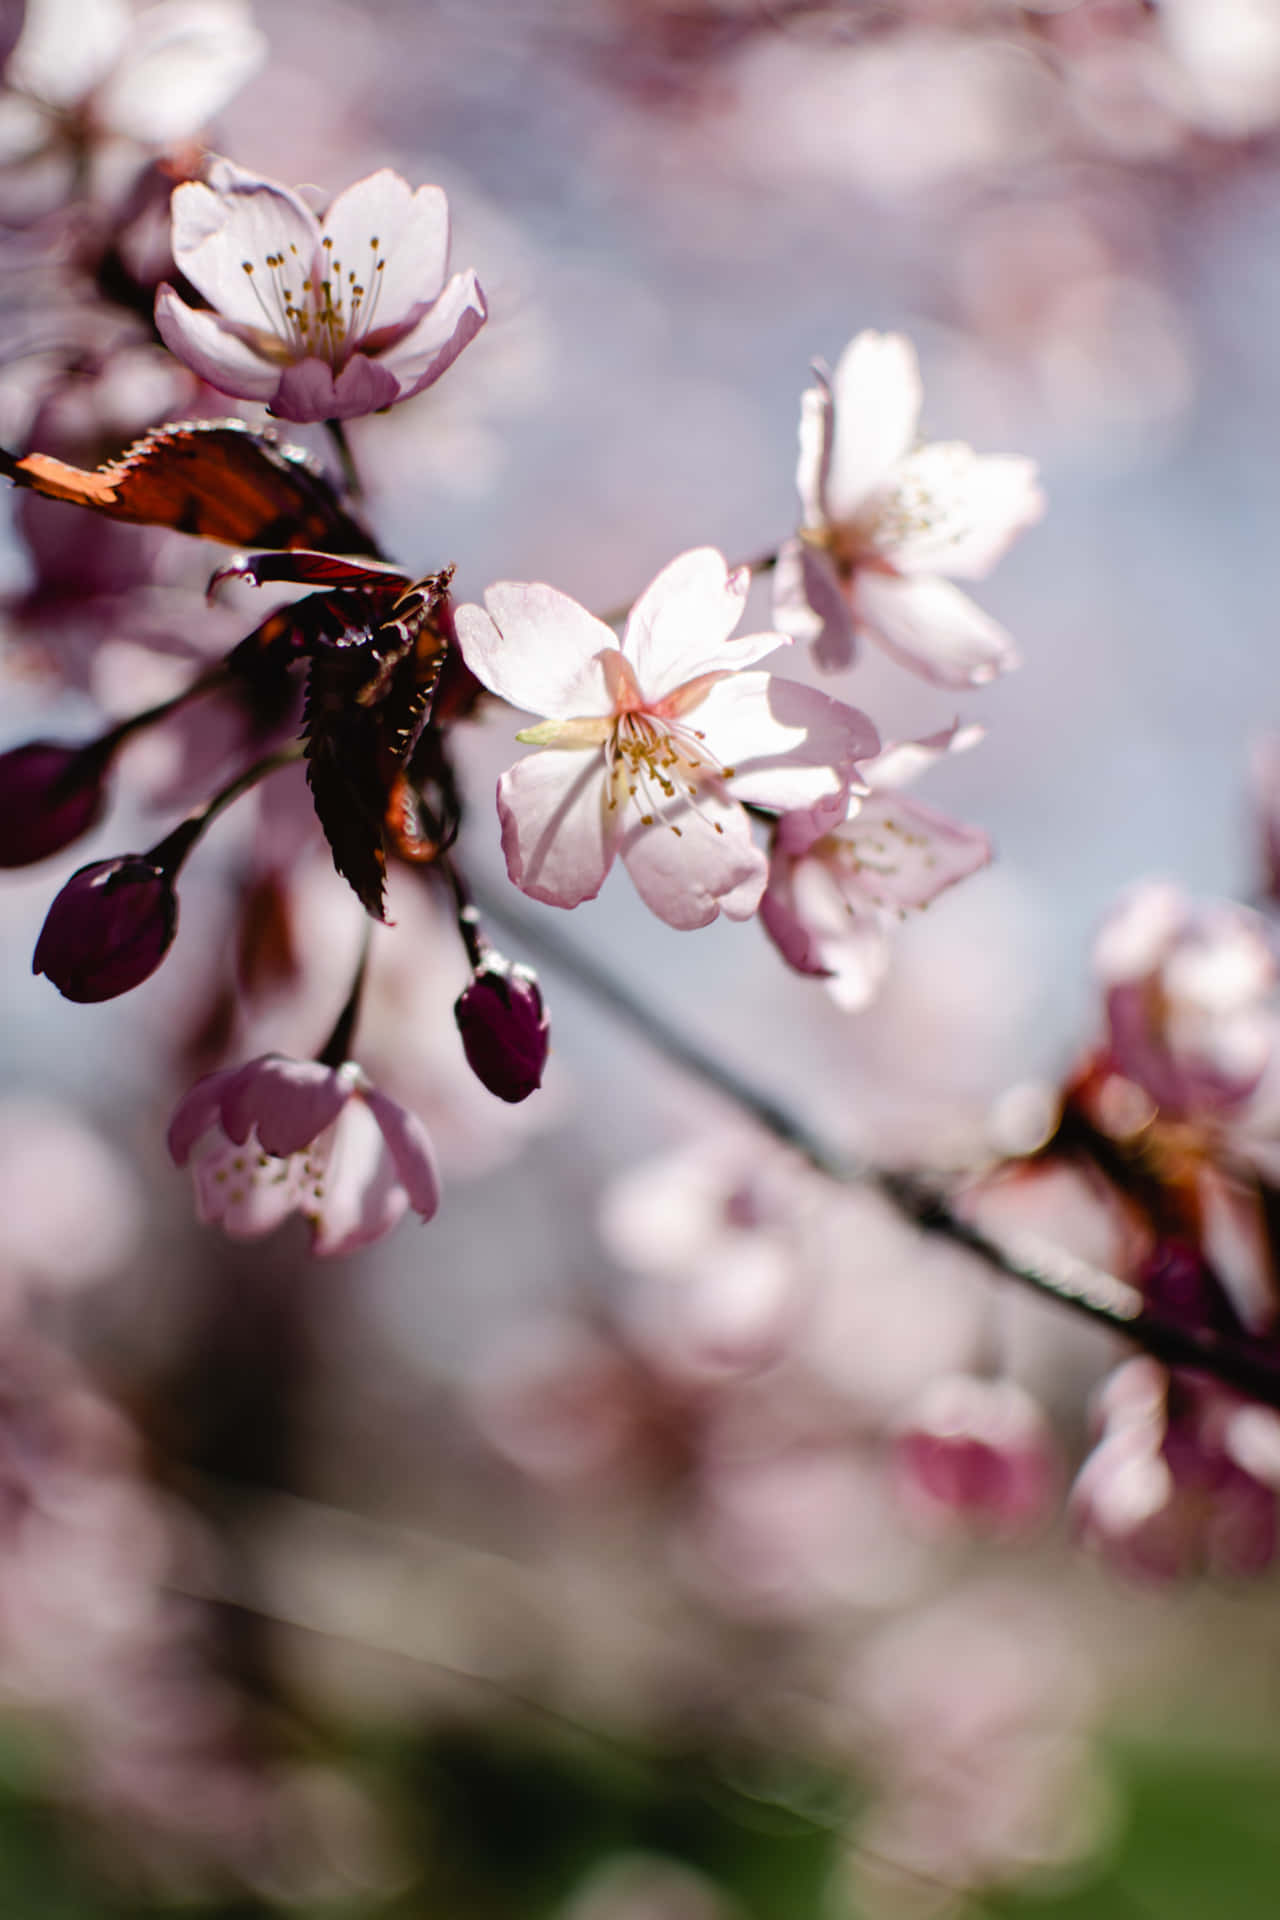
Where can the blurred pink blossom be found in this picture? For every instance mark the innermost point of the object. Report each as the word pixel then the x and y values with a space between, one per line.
pixel 156 75
pixel 980 1449
pixel 884 520
pixel 322 320
pixel 1171 1487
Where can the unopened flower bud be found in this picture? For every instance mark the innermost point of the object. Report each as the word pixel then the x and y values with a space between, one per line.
pixel 504 1027
pixel 49 796
pixel 108 929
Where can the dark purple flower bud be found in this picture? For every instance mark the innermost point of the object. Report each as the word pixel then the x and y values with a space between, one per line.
pixel 49 796
pixel 108 929
pixel 504 1027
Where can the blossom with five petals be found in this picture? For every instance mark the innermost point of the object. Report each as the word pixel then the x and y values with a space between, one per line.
pixel 835 892
pixel 321 319
pixel 653 744
pixel 282 1136
pixel 885 520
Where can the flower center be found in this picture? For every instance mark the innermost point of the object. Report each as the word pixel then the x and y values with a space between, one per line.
pixel 660 766
pixel 321 308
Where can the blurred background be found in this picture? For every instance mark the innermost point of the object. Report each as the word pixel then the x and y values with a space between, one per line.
pixel 552 1560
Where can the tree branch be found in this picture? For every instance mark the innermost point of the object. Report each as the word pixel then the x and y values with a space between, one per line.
pixel 1040 1267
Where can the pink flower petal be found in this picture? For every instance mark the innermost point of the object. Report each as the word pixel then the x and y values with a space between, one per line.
pixel 539 650
pixel 957 511
pixel 849 945
pixel 196 1112
pixel 877 394
pixel 557 834
pixel 695 859
pixel 797 939
pixel 411 1149
pixel 286 1103
pixel 241 1190
pixel 789 745
pixel 897 764
pixel 907 854
pixel 237 218
pixel 309 390
pixel 358 1197
pixel 411 231
pixel 931 626
pixel 219 356
pixel 817 427
pixel 434 343
pixel 810 604
pixel 679 627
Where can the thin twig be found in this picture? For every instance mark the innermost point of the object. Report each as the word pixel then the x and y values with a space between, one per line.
pixel 1041 1268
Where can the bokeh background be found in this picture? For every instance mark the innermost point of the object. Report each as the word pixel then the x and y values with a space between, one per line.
pixel 547 1561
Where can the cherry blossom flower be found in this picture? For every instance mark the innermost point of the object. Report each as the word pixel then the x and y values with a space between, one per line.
pixel 1173 1484
pixel 884 521
pixel 1190 999
pixel 652 744
pixel 835 892
pixel 282 1136
pixel 322 320
pixel 156 76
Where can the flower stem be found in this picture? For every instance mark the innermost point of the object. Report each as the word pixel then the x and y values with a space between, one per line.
pixel 1040 1267
pixel 350 471
pixel 170 852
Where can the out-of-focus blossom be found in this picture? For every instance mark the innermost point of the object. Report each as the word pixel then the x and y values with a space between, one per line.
pixel 1189 996
pixel 980 1449
pixel 972 1719
pixel 1169 1488
pixel 653 744
pixel 642 1886
pixel 282 1136
pixel 71 1206
pixel 108 929
pixel 884 521
pixel 835 893
pixel 49 796
pixel 156 75
pixel 321 319
pixel 504 1027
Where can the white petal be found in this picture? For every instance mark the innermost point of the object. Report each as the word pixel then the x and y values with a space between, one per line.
pixel 67 47
pixel 217 228
pixel 183 62
pixel 679 627
pixel 411 230
pixel 903 761
pixel 696 858
pixel 933 627
pixel 789 746
pixel 434 343
pixel 557 833
pixel 817 426
pixel 539 650
pixel 950 510
pixel 202 343
pixel 877 394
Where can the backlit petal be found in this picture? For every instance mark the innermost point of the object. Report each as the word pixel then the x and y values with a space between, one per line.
pixel 539 650
pixel 789 746
pixel 680 626
pixel 877 394
pixel 557 833
pixel 695 859
pixel 222 358
pixel 930 625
